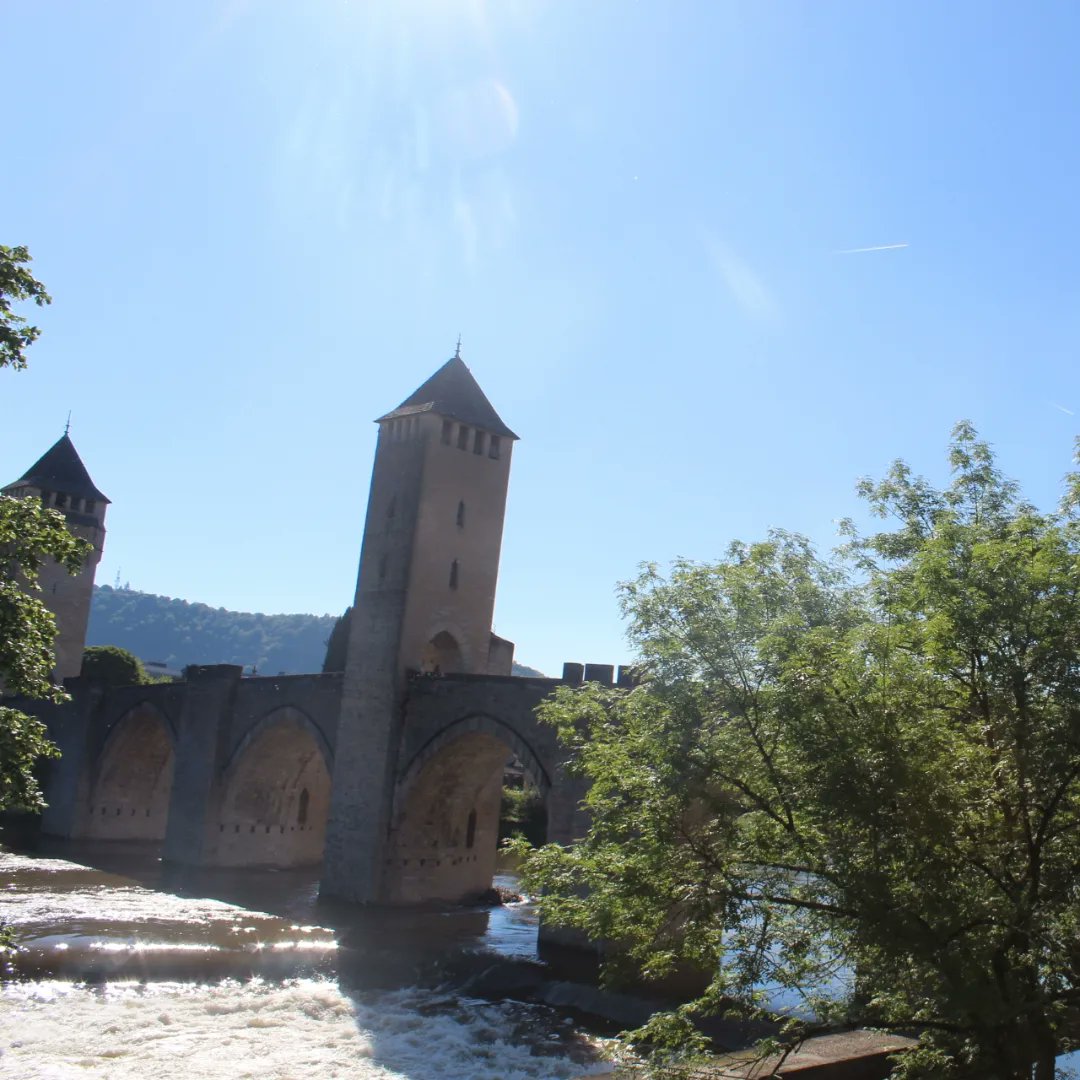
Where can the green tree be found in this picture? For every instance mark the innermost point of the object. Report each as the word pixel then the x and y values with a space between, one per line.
pixel 523 813
pixel 17 284
pixel 29 534
pixel 337 645
pixel 854 779
pixel 114 666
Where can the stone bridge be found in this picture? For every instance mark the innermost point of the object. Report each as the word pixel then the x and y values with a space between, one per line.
pixel 226 771
pixel 232 771
pixel 390 778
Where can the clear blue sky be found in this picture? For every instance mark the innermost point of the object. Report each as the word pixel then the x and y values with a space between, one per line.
pixel 265 223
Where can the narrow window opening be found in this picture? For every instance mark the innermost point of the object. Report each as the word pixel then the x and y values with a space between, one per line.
pixel 447 431
pixel 91 506
pixel 382 569
pixel 478 443
pixel 461 515
pixel 463 438
pixel 301 812
pixel 454 574
pixel 60 500
pixel 494 447
pixel 470 830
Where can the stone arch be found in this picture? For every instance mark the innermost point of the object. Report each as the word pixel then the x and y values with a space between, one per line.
pixel 497 729
pixel 444 833
pixel 283 714
pixel 132 779
pixel 275 795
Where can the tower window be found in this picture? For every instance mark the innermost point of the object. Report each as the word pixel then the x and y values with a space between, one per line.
pixel 60 500
pixel 454 574
pixel 470 830
pixel 478 443
pixel 447 430
pixel 463 438
pixel 302 809
pixel 494 447
pixel 91 506
pixel 461 515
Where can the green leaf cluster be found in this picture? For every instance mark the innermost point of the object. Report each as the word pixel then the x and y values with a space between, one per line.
pixel 17 283
pixel 853 779
pixel 115 666
pixel 29 535
pixel 337 645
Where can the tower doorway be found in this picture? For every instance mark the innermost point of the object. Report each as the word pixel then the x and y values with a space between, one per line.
pixel 442 655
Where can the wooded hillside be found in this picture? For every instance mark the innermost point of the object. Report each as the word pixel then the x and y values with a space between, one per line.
pixel 178 632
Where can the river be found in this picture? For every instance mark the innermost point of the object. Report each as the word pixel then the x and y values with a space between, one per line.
pixel 130 969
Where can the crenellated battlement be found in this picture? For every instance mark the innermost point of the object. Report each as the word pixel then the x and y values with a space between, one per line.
pixel 625 676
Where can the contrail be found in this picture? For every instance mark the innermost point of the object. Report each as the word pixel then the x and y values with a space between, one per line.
pixel 1062 408
pixel 878 247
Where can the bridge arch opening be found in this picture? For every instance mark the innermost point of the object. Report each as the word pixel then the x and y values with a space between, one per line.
pixel 275 799
pixel 132 783
pixel 442 655
pixel 445 833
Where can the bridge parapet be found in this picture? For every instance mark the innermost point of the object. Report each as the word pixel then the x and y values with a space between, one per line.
pixel 625 676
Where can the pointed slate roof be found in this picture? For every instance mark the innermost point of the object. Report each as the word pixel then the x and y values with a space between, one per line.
pixel 61 469
pixel 453 392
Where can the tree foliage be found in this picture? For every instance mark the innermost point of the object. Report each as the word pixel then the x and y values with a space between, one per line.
pixel 17 284
pixel 522 813
pixel 852 780
pixel 337 645
pixel 29 534
pixel 114 666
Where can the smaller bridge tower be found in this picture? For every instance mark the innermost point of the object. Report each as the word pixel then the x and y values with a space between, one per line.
pixel 60 480
pixel 425 597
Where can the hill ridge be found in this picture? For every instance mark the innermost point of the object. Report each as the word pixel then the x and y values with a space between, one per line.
pixel 179 632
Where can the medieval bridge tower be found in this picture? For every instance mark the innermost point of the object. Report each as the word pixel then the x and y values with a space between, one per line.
pixel 425 597
pixel 60 480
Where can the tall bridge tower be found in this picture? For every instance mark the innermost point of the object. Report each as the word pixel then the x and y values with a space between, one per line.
pixel 60 480
pixel 425 597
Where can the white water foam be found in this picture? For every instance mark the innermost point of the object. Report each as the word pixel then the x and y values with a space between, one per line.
pixel 303 1028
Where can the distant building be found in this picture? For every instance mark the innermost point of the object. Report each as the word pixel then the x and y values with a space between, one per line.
pixel 60 480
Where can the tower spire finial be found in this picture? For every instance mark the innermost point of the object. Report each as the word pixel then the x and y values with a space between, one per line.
pixel 67 425
pixel 457 351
